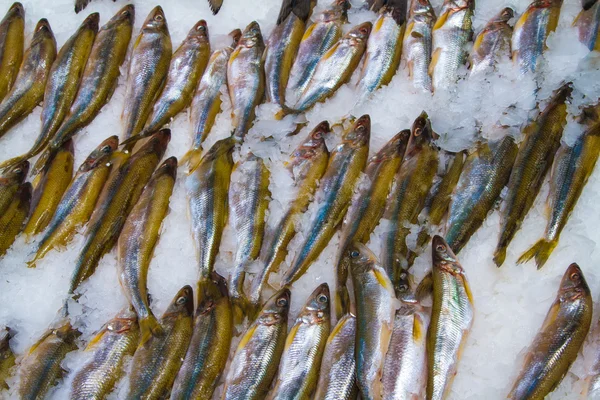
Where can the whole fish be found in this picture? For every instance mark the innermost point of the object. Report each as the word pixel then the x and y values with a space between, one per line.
pixel 530 33
pixel 319 37
pixel 588 25
pixel 41 368
pixel 246 79
pixel 28 88
pixel 336 187
pixel 9 184
pixel 187 66
pixel 282 46
pixel 418 42
pixel 337 377
pixel 256 357
pixel 207 100
pixel 536 153
pixel 307 165
pixel 451 33
pixel 208 350
pixel 7 357
pixel 572 167
pixel 108 350
pixel 492 44
pixel 411 185
pixel 78 202
pixel 99 77
pixel 304 346
pixel 557 344
pixel 148 69
pixel 384 47
pixel 49 187
pixel 156 362
pixel 13 219
pixel 248 201
pixel 207 187
pixel 335 68
pixel 12 38
pixel 138 238
pixel 215 5
pixel 366 211
pixel 375 307
pixel 486 172
pixel 118 197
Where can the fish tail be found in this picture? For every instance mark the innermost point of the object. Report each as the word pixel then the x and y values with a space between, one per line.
pixel 342 301
pixel 500 256
pixel 285 110
pixel 240 307
pixel 541 251
pixel 133 140
pixel 192 158
pixel 215 5
pixel 81 4
pixel 13 161
pixel 39 164
pixel 149 326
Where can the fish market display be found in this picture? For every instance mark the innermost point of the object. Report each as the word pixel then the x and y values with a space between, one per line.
pixel 12 38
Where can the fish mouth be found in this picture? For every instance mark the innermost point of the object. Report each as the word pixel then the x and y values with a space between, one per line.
pixel 127 13
pixel 17 10
pixel 92 21
pixel 170 166
pixel 43 25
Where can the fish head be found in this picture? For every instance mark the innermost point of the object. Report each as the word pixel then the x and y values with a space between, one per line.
pixel 312 146
pixel 360 133
pixel 91 22
pixel 318 305
pixel 276 308
pixel 252 36
pixel 421 133
pixel 360 33
pixel 101 154
pixel 395 147
pixel 337 12
pixel 221 147
pixel 168 167
pixel 125 15
pixel 505 15
pixel 42 32
pixel 156 21
pixel 573 285
pixel 66 332
pixel 157 143
pixel 421 7
pixel 362 259
pixel 561 94
pixel 124 321
pixel 235 36
pixel 443 256
pixel 210 291
pixel 199 31
pixel 182 304
pixel 17 173
pixel 15 11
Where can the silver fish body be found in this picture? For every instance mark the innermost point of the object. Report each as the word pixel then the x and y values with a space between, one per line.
pixel 418 43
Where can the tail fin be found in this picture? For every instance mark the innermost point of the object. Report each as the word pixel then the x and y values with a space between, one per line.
pixel 14 161
pixel 342 301
pixel 499 256
pixel 541 251
pixel 285 110
pixel 39 164
pixel 192 158
pixel 80 5
pixel 149 326
pixel 240 307
pixel 133 140
pixel 215 5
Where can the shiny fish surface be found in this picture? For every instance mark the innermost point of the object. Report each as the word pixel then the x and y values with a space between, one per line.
pixel 12 38
pixel 7 357
pixel 492 44
pixel 13 219
pixel 417 44
pixel 588 26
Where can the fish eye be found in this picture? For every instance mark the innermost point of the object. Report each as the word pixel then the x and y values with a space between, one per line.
pixel 418 131
pixel 125 13
pixel 18 171
pixel 201 28
pixel 403 287
pixel 574 276
pixel 106 149
pixel 440 247
pixel 354 253
pixel 364 30
pixel 158 18
pixel 322 298
pixel 181 300
pixel 282 302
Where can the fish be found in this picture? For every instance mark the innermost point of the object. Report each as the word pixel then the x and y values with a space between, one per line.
pixel 366 211
pixel 48 189
pixel 572 167
pixel 334 68
pixel 530 33
pixel 307 164
pixel 209 347
pixel 155 363
pixel 117 199
pixel 15 216
pixel 10 180
pixel 7 357
pixel 207 186
pixel 336 188
pixel 486 172
pixel 12 39
pixel 337 377
pixel 108 351
pixel 137 240
pixel 304 346
pixel 78 202
pixel 40 369
pixel 282 47
pixel 375 308
pixel 99 79
pixel 80 5
pixel 411 186
pixel 493 43
pixel 148 69
pixel 215 5
pixel 187 66
pixel 248 202
pixel 319 37
pixel 256 357
pixel 384 47
pixel 451 33
pixel 591 383
pixel 418 43
pixel 246 79
pixel 535 157
pixel 28 88
pixel 559 340
pixel 206 104
pixel 587 23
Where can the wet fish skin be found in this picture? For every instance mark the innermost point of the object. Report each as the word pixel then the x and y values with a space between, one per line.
pixel 257 356
pixel 49 187
pixel 588 26
pixel 307 165
pixel 109 348
pixel 336 188
pixel 7 357
pixel 9 183
pixel 451 319
pixel 246 79
pixel 78 202
pixel 148 69
pixel 155 363
pixel 375 308
pixel 536 153
pixel 12 38
pixel 304 346
pixel 486 172
pixel 335 383
pixel 137 241
pixel 28 88
pixel 418 42
pixel 13 219
pixel 366 211
pixel 492 43
pixel 209 347
pixel 40 369
pixel 557 344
